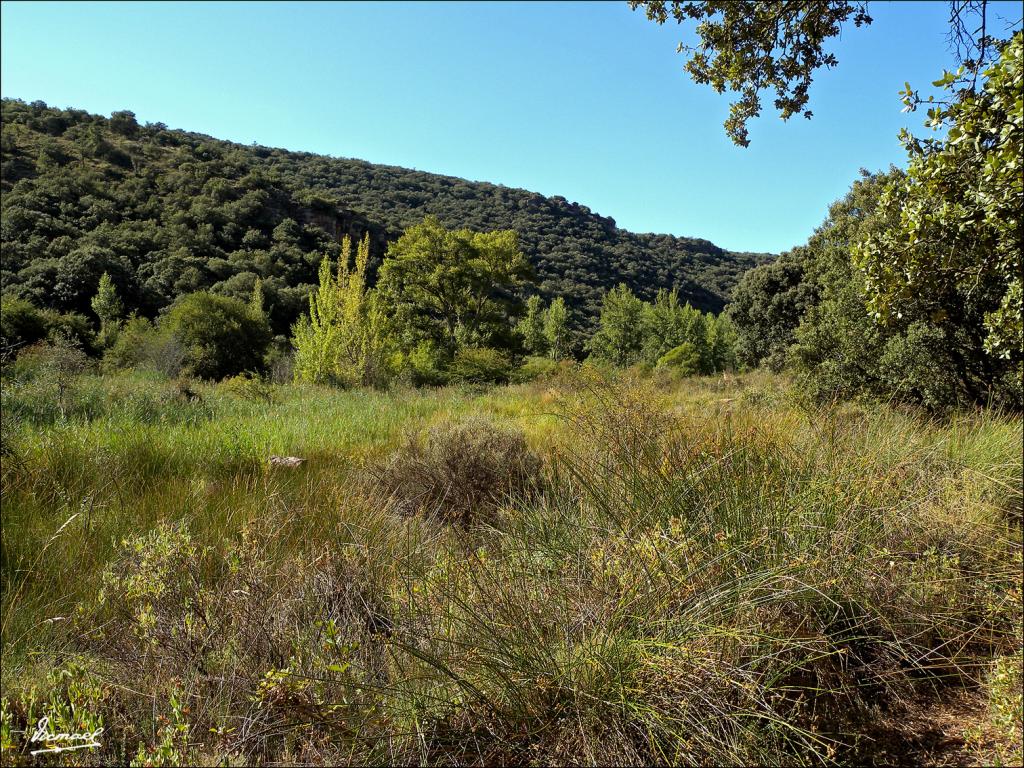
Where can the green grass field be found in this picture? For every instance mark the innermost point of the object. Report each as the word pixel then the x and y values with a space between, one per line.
pixel 579 571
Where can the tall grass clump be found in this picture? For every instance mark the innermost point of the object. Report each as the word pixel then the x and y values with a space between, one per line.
pixel 461 472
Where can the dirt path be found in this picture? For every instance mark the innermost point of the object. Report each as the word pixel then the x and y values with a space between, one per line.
pixel 947 731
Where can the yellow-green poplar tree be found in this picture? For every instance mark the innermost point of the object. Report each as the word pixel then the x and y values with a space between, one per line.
pixel 342 341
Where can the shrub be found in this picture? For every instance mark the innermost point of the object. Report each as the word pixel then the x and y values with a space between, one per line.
pixel 481 365
pixel 236 626
pixel 767 305
pixel 54 361
pixel 915 366
pixel 535 368
pixel 220 336
pixel 280 361
pixel 141 345
pixel 153 578
pixel 684 359
pixel 73 700
pixel 56 365
pixel 21 324
pixel 248 387
pixel 1006 706
pixel 423 366
pixel 462 472
pixel 72 326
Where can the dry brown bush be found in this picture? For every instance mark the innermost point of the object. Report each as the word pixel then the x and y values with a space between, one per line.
pixel 461 472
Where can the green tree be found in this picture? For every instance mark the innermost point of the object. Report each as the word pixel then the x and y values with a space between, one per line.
pixel 662 325
pixel 343 339
pixel 721 343
pixel 620 334
pixel 953 256
pixel 771 301
pixel 836 346
pixel 531 327
pixel 82 268
pixel 453 288
pixel 21 324
pixel 840 349
pixel 667 324
pixel 219 336
pixel 556 329
pixel 256 299
pixel 73 327
pixel 108 308
pixel 767 305
pixel 124 123
pixel 751 47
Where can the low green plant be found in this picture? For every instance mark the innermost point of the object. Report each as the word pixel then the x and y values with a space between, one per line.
pixel 684 359
pixel 1006 707
pixel 6 730
pixel 248 387
pixel 536 369
pixel 480 365
pixel 72 701
pixel 172 739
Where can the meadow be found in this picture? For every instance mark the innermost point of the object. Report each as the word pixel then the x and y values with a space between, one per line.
pixel 597 568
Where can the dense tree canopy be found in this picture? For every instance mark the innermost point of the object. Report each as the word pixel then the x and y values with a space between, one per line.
pixel 165 213
pixel 452 288
pixel 953 256
pixel 665 333
pixel 767 306
pixel 911 287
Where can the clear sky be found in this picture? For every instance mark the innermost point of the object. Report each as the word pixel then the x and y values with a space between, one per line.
pixel 580 99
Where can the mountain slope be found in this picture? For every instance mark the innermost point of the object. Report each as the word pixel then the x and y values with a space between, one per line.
pixel 168 212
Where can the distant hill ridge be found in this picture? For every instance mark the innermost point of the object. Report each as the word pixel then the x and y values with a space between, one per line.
pixel 168 212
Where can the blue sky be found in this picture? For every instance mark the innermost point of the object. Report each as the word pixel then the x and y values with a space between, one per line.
pixel 584 100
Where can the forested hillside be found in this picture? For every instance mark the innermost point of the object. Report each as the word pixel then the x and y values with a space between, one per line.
pixel 166 212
